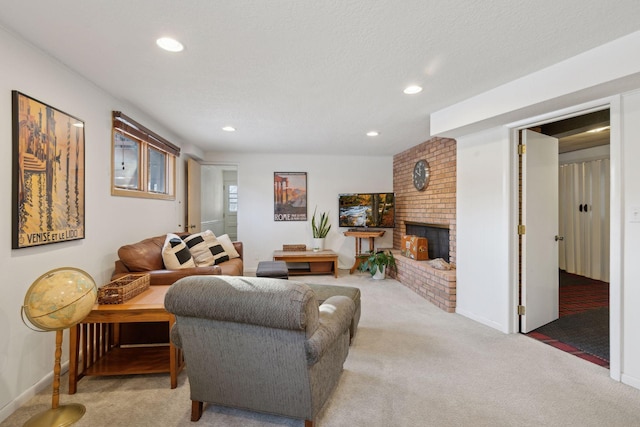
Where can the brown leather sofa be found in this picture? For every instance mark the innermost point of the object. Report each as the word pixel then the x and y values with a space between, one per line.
pixel 146 256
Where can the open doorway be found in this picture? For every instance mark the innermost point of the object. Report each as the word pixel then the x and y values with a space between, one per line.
pixel 219 199
pixel 582 327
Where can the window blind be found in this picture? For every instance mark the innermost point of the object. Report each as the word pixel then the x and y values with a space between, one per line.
pixel 129 126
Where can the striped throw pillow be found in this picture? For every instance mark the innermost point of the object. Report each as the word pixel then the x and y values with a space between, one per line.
pixel 227 245
pixel 176 254
pixel 206 249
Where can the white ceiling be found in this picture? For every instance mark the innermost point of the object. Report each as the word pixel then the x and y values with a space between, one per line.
pixel 296 76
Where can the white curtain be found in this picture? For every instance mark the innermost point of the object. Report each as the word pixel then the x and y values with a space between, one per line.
pixel 584 218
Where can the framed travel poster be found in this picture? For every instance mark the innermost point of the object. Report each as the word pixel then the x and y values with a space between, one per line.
pixel 290 196
pixel 48 174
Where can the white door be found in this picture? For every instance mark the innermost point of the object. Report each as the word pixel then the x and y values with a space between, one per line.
pixel 194 222
pixel 540 217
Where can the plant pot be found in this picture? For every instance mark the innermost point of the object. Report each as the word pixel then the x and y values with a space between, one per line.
pixel 380 273
pixel 318 244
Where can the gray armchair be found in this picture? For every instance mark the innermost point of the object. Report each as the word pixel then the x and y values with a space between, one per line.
pixel 259 344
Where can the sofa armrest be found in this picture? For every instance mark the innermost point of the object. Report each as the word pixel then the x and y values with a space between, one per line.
pixel 174 336
pixel 335 318
pixel 238 246
pixel 120 269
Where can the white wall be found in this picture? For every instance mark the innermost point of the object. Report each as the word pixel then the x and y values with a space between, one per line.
pixel 604 70
pixel 485 282
pixel 631 240
pixel 588 154
pixel 26 357
pixel 481 133
pixel 327 176
pixel 483 216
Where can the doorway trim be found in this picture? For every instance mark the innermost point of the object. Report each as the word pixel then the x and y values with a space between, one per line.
pixel 226 166
pixel 613 103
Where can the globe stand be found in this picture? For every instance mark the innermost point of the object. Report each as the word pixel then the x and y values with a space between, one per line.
pixel 57 300
pixel 58 415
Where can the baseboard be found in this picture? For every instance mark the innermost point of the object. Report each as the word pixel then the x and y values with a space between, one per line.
pixel 631 381
pixel 29 393
pixel 482 320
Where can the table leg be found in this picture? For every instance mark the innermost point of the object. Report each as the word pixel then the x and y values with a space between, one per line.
pixel 74 338
pixel 356 262
pixel 173 359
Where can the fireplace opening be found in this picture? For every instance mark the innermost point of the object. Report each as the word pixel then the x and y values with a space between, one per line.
pixel 437 236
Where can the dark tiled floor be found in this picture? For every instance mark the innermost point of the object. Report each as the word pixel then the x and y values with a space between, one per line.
pixel 577 294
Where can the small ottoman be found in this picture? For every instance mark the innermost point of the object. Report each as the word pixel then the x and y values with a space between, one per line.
pixel 323 292
pixel 272 269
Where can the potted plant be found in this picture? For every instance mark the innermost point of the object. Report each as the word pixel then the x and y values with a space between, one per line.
pixel 320 230
pixel 377 263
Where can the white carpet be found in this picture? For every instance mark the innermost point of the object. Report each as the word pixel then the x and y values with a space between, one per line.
pixel 411 364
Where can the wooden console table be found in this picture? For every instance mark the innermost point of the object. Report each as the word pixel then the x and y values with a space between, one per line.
pixel 359 235
pixel 98 337
pixel 329 257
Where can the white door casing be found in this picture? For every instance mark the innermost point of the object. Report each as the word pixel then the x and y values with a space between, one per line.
pixel 194 214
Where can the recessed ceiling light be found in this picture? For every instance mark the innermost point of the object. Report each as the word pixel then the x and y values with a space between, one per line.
pixel 229 129
pixel 172 45
pixel 412 90
pixel 372 133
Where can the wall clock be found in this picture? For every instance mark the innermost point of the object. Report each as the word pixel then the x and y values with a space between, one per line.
pixel 421 175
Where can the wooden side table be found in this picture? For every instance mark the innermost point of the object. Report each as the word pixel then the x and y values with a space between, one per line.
pixel 98 337
pixel 359 235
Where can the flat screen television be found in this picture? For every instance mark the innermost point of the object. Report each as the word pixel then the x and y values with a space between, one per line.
pixel 376 210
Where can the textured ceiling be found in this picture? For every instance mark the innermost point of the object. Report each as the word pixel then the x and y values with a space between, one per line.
pixel 298 76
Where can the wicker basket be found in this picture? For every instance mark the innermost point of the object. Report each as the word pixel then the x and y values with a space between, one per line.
pixel 294 248
pixel 123 288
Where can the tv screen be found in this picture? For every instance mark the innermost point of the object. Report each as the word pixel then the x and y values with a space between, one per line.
pixel 367 210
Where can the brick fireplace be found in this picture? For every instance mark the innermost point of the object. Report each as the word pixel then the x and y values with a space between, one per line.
pixel 433 207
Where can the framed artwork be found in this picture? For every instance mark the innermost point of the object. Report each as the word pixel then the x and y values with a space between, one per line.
pixel 48 174
pixel 290 196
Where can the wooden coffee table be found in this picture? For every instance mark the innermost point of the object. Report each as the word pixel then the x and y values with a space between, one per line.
pixel 98 337
pixel 320 262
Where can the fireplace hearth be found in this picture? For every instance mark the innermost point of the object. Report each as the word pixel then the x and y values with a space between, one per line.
pixel 437 236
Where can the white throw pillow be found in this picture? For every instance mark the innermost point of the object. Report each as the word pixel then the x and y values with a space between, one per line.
pixel 226 243
pixel 176 254
pixel 206 249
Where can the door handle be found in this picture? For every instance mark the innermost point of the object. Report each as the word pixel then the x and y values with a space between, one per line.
pixel 559 238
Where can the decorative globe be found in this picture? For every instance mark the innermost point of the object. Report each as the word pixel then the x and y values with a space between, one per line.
pixel 60 299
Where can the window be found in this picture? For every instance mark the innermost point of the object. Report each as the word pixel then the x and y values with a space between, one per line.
pixel 233 198
pixel 157 171
pixel 144 163
pixel 126 153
